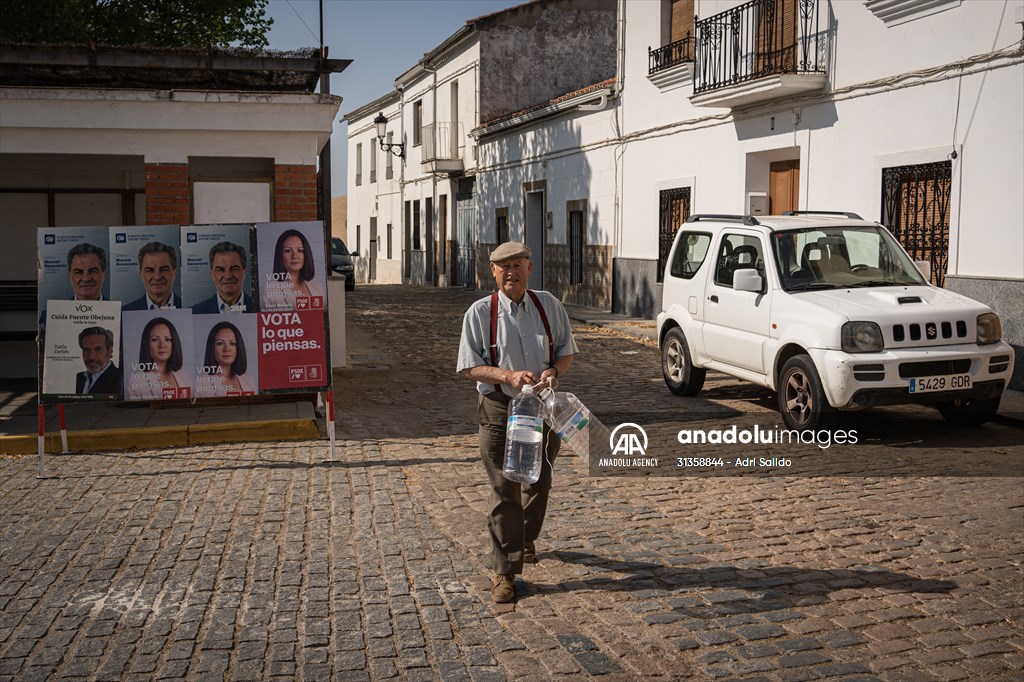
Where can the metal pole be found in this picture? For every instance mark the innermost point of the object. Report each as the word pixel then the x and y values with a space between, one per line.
pixel 42 443
pixel 63 428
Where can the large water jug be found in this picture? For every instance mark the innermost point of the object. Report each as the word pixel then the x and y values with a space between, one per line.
pixel 576 425
pixel 523 446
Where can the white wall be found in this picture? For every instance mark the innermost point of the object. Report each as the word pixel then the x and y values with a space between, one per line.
pixel 844 137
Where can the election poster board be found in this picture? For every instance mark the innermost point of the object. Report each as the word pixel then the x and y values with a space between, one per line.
pixel 216 268
pixel 211 338
pixel 81 355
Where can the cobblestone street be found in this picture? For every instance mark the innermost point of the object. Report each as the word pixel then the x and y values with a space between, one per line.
pixel 260 561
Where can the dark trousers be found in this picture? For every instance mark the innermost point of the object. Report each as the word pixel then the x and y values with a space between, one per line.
pixel 517 511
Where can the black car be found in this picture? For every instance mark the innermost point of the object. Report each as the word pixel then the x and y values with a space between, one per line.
pixel 341 263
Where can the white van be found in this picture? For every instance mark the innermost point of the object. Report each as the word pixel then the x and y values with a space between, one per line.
pixel 830 312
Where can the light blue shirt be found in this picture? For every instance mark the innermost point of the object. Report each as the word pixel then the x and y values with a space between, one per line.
pixel 522 341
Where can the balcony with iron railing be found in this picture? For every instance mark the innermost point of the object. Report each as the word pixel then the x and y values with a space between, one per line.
pixel 762 50
pixel 443 147
pixel 671 63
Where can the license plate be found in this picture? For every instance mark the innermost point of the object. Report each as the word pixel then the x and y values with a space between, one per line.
pixel 950 382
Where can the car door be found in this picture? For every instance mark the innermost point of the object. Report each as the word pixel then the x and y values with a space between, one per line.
pixel 736 323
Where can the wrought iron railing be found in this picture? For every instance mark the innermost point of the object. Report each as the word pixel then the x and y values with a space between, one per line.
pixel 761 38
pixel 916 209
pixel 677 52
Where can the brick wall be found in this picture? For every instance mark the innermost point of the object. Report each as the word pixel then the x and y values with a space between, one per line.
pixel 294 193
pixel 167 194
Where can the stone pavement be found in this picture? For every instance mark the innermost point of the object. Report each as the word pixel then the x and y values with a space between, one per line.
pixel 260 561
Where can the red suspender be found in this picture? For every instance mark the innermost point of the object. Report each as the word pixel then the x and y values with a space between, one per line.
pixel 547 327
pixel 494 330
pixel 494 334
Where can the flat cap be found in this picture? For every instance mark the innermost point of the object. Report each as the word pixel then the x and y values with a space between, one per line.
pixel 510 250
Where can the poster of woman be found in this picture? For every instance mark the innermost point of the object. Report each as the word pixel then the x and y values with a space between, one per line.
pixel 226 355
pixel 292 266
pixel 158 354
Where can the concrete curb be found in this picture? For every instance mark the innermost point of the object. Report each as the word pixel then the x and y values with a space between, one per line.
pixel 165 436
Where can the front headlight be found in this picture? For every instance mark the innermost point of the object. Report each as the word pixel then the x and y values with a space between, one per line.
pixel 989 328
pixel 861 337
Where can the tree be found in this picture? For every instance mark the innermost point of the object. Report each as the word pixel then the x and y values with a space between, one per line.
pixel 156 23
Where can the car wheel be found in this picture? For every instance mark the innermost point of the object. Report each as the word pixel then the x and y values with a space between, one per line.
pixel 802 400
pixel 969 412
pixel 681 377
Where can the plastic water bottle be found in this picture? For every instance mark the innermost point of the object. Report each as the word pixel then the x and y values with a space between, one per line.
pixel 576 425
pixel 523 438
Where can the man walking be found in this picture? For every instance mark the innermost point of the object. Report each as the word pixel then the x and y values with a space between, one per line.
pixel 511 339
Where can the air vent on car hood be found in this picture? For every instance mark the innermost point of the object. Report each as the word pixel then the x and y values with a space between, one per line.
pixel 908 299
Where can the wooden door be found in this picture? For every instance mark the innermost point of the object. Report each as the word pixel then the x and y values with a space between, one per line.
pixel 784 187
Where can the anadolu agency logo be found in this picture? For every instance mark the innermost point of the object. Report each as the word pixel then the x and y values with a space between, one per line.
pixel 628 444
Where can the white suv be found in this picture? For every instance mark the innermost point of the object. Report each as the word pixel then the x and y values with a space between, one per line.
pixel 830 312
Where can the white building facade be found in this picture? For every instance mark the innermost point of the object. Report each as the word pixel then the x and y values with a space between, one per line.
pixel 493 69
pixel 904 112
pixel 907 112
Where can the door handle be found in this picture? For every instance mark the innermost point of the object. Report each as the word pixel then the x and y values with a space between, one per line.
pixel 713 298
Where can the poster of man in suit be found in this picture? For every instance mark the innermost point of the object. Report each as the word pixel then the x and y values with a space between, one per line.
pixel 82 351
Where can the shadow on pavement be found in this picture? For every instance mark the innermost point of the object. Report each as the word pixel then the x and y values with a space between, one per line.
pixel 741 590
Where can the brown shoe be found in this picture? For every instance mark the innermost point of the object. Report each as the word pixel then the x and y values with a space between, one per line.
pixel 503 589
pixel 529 553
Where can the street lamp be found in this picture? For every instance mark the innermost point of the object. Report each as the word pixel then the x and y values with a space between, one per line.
pixel 382 125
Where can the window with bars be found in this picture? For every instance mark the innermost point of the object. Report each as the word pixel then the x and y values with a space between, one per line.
pixel 915 209
pixel 576 227
pixel 673 210
pixel 389 166
pixel 390 231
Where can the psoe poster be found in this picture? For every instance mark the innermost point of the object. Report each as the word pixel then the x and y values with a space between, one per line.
pixel 226 355
pixel 293 269
pixel 292 351
pixel 82 351
pixel 158 356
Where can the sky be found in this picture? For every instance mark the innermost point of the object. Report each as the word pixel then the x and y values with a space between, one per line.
pixel 383 38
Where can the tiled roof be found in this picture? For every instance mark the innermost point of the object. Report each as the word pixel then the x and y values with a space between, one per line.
pixel 551 102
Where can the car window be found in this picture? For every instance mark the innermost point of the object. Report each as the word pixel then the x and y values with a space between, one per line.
pixel 737 252
pixel 338 247
pixel 840 257
pixel 691 250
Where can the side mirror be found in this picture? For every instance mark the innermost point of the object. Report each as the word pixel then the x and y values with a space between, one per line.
pixel 747 279
pixel 925 268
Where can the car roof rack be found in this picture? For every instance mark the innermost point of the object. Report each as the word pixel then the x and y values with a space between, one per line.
pixel 745 219
pixel 845 214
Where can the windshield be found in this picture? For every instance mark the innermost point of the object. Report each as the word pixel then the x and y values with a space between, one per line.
pixel 338 247
pixel 842 257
